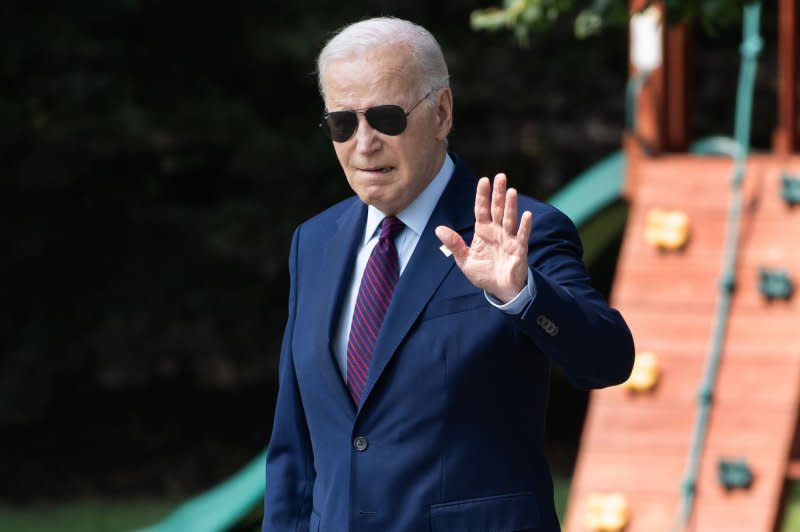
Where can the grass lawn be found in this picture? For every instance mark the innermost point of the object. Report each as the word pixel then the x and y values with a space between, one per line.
pixel 120 516
pixel 84 516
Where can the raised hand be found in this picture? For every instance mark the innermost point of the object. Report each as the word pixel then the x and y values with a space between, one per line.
pixel 497 260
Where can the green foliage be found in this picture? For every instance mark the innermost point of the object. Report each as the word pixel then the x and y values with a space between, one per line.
pixel 146 204
pixel 524 16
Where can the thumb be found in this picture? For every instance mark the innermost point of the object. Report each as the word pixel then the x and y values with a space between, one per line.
pixel 453 242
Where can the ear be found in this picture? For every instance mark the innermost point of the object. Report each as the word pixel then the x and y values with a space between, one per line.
pixel 444 113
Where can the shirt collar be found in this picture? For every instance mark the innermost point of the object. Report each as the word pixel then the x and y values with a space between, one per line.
pixel 419 211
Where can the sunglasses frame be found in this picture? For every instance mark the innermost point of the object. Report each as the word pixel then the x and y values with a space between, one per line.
pixel 326 129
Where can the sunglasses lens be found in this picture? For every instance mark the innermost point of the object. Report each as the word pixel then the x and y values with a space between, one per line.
pixel 388 119
pixel 339 125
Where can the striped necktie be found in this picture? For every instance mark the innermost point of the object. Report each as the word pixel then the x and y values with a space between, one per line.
pixel 374 294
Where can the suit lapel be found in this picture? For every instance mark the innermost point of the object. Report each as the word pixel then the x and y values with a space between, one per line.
pixel 336 268
pixel 425 270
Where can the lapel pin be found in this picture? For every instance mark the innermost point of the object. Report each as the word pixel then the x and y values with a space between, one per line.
pixel 446 252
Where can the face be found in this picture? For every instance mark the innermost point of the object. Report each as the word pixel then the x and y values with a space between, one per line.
pixel 388 171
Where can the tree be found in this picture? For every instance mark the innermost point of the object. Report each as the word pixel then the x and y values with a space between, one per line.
pixel 524 16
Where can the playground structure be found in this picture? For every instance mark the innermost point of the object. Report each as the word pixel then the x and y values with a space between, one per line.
pixel 705 438
pixel 711 443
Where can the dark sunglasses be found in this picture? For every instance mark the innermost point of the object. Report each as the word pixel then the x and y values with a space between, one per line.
pixel 388 119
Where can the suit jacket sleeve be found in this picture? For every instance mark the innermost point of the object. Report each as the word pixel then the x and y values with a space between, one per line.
pixel 290 470
pixel 568 320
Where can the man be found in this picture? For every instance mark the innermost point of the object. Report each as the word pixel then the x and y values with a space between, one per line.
pixel 424 314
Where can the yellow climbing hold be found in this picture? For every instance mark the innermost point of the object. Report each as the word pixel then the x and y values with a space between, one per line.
pixel 607 512
pixel 667 229
pixel 644 374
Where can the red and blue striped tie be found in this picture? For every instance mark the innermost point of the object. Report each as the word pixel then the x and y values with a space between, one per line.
pixel 374 294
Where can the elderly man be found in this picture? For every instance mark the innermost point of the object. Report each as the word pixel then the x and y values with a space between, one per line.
pixel 424 313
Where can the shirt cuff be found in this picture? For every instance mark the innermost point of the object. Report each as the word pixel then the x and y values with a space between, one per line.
pixel 520 301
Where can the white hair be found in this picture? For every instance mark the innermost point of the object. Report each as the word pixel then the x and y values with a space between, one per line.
pixel 386 32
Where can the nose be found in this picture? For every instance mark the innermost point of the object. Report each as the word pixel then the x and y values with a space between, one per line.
pixel 367 138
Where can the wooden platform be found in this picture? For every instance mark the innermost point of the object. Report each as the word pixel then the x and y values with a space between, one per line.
pixel 638 444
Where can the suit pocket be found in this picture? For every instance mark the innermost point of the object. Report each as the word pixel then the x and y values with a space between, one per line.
pixel 451 305
pixel 501 513
pixel 313 524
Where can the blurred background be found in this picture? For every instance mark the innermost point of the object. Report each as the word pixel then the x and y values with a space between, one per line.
pixel 155 157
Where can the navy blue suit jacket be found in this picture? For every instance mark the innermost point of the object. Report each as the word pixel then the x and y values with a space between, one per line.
pixel 448 435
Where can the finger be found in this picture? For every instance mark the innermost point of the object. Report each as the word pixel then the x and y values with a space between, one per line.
pixel 453 242
pixel 525 227
pixel 510 216
pixel 498 198
pixel 482 212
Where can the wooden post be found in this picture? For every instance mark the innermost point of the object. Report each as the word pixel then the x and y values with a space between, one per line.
pixel 651 104
pixel 678 80
pixel 787 135
pixel 662 118
pixel 662 108
pixel 648 135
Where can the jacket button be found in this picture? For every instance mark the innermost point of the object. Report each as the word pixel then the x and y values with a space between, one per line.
pixel 360 444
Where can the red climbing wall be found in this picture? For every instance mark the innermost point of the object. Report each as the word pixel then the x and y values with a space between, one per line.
pixel 637 443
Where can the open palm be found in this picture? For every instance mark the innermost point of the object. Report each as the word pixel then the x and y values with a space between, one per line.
pixel 497 260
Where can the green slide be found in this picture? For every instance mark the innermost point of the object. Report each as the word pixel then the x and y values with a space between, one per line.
pixel 220 507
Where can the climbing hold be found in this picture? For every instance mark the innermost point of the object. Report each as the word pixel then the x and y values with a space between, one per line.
pixel 645 373
pixel 667 230
pixel 775 284
pixel 735 473
pixel 790 189
pixel 606 512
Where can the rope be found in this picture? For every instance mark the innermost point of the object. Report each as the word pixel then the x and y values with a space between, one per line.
pixel 749 50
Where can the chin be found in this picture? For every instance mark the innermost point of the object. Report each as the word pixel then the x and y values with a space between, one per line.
pixel 379 199
pixel 376 198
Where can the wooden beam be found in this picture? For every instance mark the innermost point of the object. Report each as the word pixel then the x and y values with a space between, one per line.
pixel 787 133
pixel 662 109
pixel 678 79
pixel 651 104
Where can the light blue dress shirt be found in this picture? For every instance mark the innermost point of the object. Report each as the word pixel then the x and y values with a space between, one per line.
pixel 415 217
